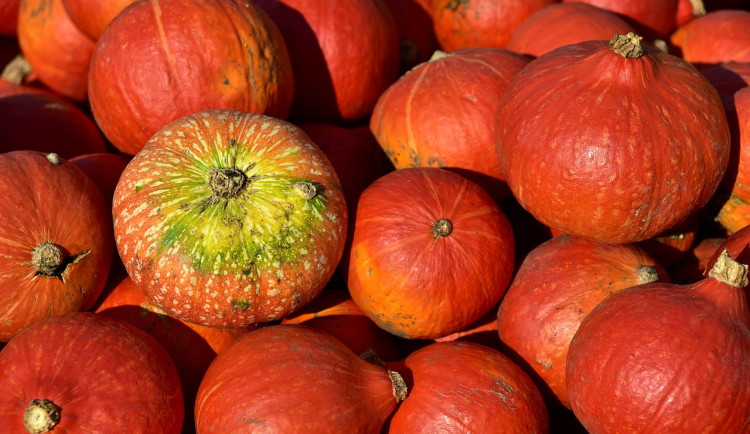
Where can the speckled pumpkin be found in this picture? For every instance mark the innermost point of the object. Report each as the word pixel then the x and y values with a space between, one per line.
pixel 228 218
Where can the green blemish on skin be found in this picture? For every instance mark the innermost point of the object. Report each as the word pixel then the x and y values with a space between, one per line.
pixel 241 304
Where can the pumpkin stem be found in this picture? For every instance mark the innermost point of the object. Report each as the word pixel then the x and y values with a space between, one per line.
pixel 54 158
pixel 47 258
pixel 627 46
pixel 647 274
pixel 442 228
pixel 438 54
pixel 729 271
pixel 41 416
pixel 227 182
pixel 399 386
pixel 17 70
pixel 307 189
pixel 699 9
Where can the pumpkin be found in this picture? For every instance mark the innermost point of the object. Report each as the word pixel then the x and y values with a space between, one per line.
pixel 149 68
pixel 652 18
pixel 417 40
pixel 308 380
pixel 719 36
pixel 104 168
pixel 480 23
pixel 85 371
pixel 227 218
pixel 191 347
pixel 57 51
pixel 735 212
pixel 616 142
pixel 431 253
pixel 441 114
pixel 34 119
pixel 556 286
pixel 343 55
pixel 334 312
pixel 91 17
pixel 56 240
pixel 464 386
pixel 561 24
pixel 665 358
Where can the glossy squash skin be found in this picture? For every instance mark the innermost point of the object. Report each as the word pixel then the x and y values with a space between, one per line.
pixel 229 218
pixel 613 148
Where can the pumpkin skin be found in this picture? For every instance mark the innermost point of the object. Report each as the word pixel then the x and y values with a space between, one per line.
pixel 149 69
pixel 334 312
pixel 70 359
pixel 719 36
pixel 339 70
pixel 342 393
pixel 561 24
pixel 427 234
pixel 57 51
pixel 465 86
pixel 227 219
pixel 191 347
pixel 555 287
pixel 577 169
pixel 480 23
pixel 56 240
pixel 735 213
pixel 464 386
pixel 92 16
pixel 38 120
pixel 654 344
pixel 653 18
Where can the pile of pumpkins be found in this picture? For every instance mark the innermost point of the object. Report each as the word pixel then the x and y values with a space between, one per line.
pixel 379 216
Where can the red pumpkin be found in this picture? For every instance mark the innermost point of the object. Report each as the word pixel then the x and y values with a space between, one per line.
pixel 85 371
pixel 92 16
pixel 735 212
pixel 556 286
pixel 417 40
pixel 343 55
pixel 149 68
pixel 409 120
pixel 191 347
pixel 719 36
pixel 34 119
pixel 308 380
pixel 464 386
pixel 663 358
pixel 561 24
pixel 480 23
pixel 590 142
pixel 55 240
pixel 104 168
pixel 227 219
pixel 653 18
pixel 334 312
pixel 57 51
pixel 427 234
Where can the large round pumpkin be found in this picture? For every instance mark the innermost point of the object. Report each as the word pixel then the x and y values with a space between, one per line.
pixel 441 113
pixel 432 252
pixel 228 218
pixel 557 285
pixel 662 358
pixel 59 54
pixel 151 67
pixel 293 378
pixel 613 141
pixel 87 372
pixel 56 240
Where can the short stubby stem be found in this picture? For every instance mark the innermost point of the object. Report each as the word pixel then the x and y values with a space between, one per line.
pixel 41 416
pixel 442 228
pixel 47 258
pixel 227 182
pixel 627 46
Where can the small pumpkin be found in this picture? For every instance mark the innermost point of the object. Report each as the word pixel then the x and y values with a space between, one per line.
pixel 579 160
pixel 56 240
pixel 309 381
pixel 227 218
pixel 432 252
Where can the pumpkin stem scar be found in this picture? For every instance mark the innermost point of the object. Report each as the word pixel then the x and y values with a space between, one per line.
pixel 442 228
pixel 49 260
pixel 41 416
pixel 627 46
pixel 308 189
